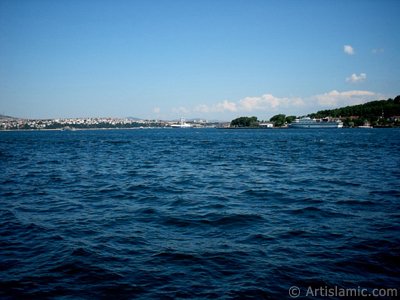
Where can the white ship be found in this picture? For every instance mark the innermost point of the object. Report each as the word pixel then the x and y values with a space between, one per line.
pixel 182 124
pixel 307 122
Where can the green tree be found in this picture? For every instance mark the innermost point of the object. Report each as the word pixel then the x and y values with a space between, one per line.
pixel 278 120
pixel 290 119
pixel 245 122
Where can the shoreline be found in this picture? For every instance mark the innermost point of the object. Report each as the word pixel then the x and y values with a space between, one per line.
pixel 94 129
pixel 147 128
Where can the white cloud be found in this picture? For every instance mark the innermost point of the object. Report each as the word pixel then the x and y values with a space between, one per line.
pixel 266 102
pixel 226 106
pixel 336 98
pixel 354 78
pixel 181 110
pixel 202 108
pixel 156 110
pixel 348 50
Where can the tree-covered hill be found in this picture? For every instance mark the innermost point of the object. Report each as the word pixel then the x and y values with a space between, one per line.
pixel 245 122
pixel 383 108
pixel 382 112
pixel 5 117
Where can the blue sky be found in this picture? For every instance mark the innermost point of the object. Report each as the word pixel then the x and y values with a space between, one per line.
pixel 209 59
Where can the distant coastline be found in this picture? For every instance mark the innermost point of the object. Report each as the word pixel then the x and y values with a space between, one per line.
pixel 376 114
pixel 12 124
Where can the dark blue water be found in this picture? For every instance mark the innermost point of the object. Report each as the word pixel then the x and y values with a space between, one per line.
pixel 197 214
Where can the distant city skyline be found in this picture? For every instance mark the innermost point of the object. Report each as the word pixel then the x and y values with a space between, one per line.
pixel 195 59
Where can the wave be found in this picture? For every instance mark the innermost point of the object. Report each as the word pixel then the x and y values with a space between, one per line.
pixel 212 219
pixel 196 214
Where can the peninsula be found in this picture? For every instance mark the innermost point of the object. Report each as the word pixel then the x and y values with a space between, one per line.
pixel 380 113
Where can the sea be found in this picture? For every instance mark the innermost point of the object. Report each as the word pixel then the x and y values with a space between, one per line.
pixel 199 213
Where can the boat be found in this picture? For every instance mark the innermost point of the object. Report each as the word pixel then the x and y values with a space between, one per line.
pixel 67 128
pixel 307 122
pixel 182 124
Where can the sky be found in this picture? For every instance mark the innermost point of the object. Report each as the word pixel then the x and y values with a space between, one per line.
pixel 210 59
